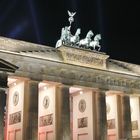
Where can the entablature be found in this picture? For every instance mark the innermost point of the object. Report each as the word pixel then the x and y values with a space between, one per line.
pixel 68 73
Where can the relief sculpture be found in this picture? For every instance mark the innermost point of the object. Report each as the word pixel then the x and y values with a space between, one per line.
pixel 82 122
pixel 82 105
pixel 15 98
pixel 135 125
pixel 46 102
pixel 46 120
pixel 111 124
pixel 15 118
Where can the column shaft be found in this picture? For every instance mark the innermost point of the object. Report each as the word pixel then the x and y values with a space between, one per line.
pixel 125 128
pixel 101 119
pixel 30 119
pixel 2 105
pixel 62 129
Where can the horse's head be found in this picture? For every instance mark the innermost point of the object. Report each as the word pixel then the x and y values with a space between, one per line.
pixel 78 31
pixel 89 34
pixel 97 37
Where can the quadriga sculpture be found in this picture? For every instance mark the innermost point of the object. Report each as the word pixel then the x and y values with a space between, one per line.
pixel 74 40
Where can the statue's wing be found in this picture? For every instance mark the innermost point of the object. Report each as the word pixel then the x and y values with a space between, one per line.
pixel 71 14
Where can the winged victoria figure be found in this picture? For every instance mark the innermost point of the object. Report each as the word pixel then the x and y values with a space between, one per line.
pixel 71 15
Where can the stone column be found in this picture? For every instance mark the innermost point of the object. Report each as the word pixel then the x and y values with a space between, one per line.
pixel 62 112
pixel 2 106
pixel 3 85
pixel 30 112
pixel 3 80
pixel 101 118
pixel 124 117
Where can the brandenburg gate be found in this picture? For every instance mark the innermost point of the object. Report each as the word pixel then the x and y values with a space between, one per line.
pixel 70 92
pixel 66 93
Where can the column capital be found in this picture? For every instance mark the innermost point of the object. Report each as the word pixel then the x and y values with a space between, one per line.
pixel 101 90
pixel 33 81
pixel 62 85
pixel 124 94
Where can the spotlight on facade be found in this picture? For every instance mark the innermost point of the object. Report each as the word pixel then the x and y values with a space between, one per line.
pixel 15 84
pixel 45 87
pixel 81 92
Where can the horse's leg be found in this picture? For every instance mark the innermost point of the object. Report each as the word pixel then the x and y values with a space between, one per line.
pixel 99 47
pixel 80 45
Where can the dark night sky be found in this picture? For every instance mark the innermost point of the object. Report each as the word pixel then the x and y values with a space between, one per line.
pixel 40 21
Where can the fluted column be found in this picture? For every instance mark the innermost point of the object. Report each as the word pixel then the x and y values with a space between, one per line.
pixel 101 118
pixel 62 113
pixel 124 116
pixel 2 105
pixel 30 118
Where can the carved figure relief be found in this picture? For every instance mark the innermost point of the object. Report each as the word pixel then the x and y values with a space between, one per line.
pixel 111 124
pixel 15 118
pixel 46 120
pixel 16 98
pixel 82 122
pixel 135 125
pixel 82 105
pixel 46 102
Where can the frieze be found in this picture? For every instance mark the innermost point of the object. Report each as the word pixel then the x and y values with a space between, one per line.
pixel 99 77
pixel 115 81
pixel 92 76
pixel 83 52
pixel 83 58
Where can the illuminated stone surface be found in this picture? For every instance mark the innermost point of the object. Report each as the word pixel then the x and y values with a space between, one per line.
pixel 70 67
